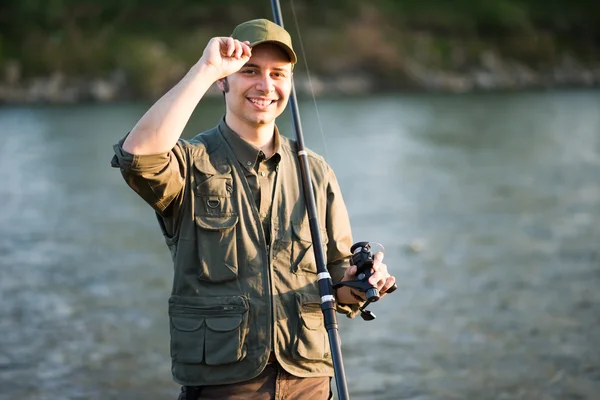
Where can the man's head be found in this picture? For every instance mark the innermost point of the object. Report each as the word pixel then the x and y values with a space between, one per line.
pixel 259 91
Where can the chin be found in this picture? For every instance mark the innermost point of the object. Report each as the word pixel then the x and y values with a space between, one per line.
pixel 262 119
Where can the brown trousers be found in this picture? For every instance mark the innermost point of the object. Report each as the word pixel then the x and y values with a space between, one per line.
pixel 274 383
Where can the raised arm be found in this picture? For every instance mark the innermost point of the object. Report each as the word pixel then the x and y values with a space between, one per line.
pixel 161 126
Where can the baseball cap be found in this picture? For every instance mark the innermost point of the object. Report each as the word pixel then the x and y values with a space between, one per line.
pixel 259 31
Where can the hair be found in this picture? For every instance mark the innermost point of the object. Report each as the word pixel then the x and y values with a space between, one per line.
pixel 225 86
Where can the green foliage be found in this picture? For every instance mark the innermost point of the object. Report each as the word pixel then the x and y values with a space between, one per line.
pixel 154 40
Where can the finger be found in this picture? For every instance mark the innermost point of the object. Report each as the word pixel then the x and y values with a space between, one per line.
pixel 389 282
pixel 230 47
pixel 238 49
pixel 352 270
pixel 376 278
pixel 382 287
pixel 378 258
pixel 223 43
pixel 379 267
pixel 380 274
pixel 247 49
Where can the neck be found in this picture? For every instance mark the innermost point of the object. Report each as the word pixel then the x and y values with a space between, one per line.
pixel 260 135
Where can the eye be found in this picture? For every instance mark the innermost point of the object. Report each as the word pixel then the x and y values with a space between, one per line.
pixel 249 72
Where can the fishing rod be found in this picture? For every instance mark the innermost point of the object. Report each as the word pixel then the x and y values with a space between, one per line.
pixel 362 254
pixel 325 284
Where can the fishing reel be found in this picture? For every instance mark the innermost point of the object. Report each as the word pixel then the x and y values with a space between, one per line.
pixel 362 257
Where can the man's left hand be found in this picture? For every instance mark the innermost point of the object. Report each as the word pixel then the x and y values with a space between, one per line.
pixel 380 279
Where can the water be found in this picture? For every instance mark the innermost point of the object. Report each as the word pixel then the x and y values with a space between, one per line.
pixel 488 205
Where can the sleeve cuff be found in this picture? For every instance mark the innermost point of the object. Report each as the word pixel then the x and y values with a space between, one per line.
pixel 127 161
pixel 350 310
pixel 122 159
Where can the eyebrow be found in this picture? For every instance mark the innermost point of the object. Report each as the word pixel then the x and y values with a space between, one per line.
pixel 250 65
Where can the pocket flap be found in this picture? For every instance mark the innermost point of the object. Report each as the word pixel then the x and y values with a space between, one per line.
pixel 313 320
pixel 302 232
pixel 224 324
pixel 310 311
pixel 187 323
pixel 204 165
pixel 216 223
pixel 215 185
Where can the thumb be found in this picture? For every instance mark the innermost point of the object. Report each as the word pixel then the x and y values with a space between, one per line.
pixel 352 270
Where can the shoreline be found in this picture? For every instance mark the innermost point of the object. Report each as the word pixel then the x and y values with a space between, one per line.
pixel 414 78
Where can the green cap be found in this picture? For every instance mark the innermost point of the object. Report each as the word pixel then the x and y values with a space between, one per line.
pixel 259 31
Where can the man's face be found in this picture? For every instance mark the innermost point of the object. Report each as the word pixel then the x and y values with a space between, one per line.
pixel 259 91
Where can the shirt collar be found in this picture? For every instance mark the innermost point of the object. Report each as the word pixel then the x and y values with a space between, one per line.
pixel 246 153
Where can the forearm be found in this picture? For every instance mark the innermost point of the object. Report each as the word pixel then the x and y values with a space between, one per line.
pixel 161 126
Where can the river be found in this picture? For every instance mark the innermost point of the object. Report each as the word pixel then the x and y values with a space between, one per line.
pixel 488 206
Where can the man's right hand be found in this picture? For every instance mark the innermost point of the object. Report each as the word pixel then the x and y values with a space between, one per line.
pixel 226 55
pixel 161 126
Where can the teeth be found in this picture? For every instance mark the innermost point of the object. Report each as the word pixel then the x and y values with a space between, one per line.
pixel 262 103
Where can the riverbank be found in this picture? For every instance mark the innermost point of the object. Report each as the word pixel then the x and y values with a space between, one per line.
pixel 492 74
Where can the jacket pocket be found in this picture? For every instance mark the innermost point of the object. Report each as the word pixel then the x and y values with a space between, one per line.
pixel 312 341
pixel 217 248
pixel 224 340
pixel 213 193
pixel 208 330
pixel 213 188
pixel 302 255
pixel 216 221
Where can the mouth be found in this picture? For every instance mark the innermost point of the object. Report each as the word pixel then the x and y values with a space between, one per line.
pixel 261 103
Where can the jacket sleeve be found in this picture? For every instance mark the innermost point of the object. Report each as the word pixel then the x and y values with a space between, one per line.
pixel 339 235
pixel 157 178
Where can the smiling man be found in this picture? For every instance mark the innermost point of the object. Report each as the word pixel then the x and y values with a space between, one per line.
pixel 244 311
pixel 268 60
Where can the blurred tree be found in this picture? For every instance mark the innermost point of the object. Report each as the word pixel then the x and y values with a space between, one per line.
pixel 93 37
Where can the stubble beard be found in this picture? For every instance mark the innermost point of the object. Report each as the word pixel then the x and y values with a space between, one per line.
pixel 259 121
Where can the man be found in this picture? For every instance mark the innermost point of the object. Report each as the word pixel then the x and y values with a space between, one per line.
pixel 244 311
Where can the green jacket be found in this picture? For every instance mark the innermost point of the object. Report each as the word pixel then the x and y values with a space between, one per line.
pixel 236 298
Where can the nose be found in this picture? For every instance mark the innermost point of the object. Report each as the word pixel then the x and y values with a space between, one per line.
pixel 265 84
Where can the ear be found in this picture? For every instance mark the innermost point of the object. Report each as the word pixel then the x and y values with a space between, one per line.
pixel 223 85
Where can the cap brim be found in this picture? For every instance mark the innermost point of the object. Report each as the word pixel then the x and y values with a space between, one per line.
pixel 283 46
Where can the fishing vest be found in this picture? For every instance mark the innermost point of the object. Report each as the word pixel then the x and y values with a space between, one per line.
pixel 235 297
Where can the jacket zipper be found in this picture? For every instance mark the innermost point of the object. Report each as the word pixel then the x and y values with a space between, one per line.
pixel 274 199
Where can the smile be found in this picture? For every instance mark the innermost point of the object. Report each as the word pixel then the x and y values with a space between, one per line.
pixel 261 103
